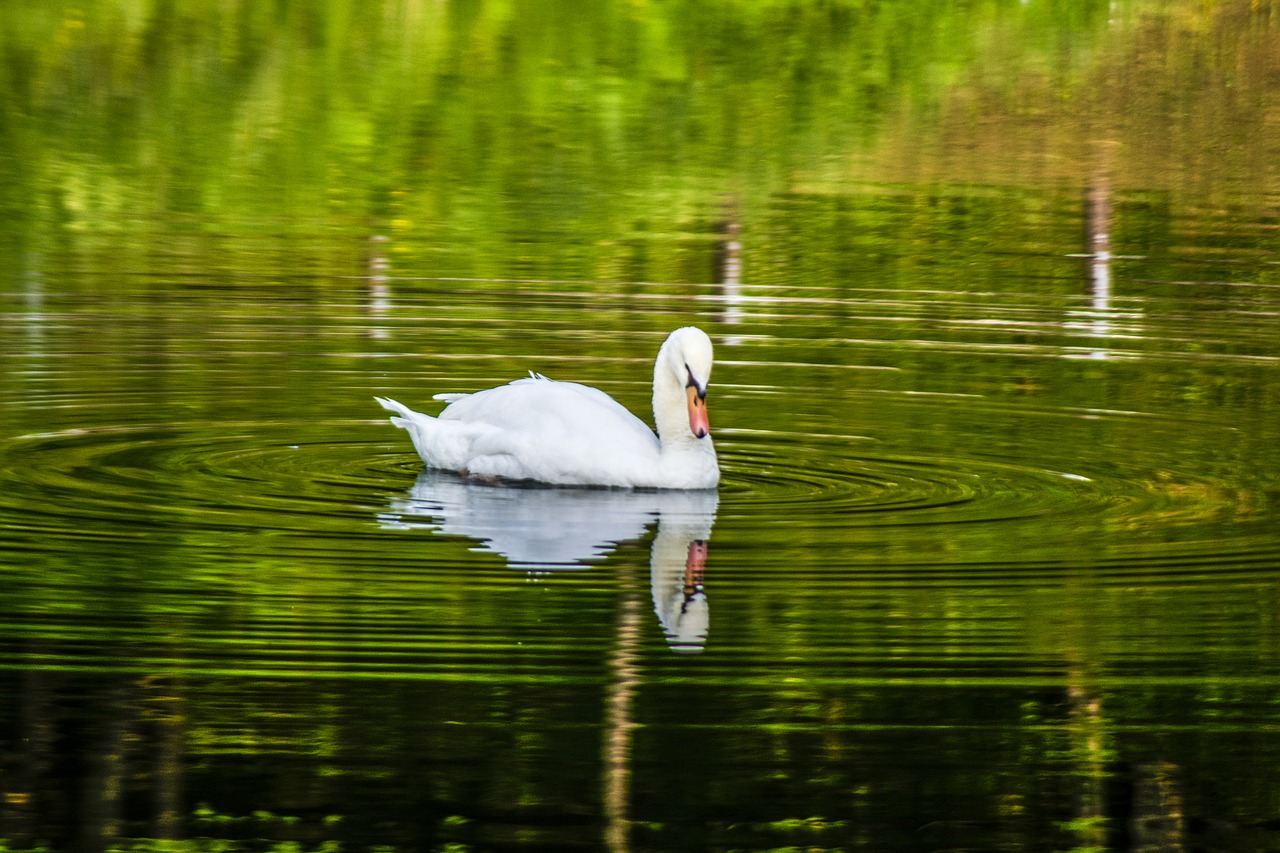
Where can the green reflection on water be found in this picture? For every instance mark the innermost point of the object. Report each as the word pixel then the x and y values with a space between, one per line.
pixel 551 141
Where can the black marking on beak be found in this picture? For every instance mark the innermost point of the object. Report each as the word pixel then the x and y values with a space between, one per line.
pixel 693 383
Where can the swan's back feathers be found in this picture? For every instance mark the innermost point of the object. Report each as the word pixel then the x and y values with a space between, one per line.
pixel 543 409
pixel 455 397
pixel 535 429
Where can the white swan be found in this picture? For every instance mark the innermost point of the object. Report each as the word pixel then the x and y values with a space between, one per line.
pixel 570 434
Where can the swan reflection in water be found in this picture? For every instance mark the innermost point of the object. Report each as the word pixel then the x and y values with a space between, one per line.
pixel 542 528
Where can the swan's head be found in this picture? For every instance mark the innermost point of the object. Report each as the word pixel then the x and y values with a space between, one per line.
pixel 687 355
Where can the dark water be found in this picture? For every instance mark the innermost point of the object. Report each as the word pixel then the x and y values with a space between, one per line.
pixel 995 302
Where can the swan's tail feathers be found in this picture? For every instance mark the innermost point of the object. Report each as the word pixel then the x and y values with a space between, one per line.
pixel 424 430
pixel 406 414
pixel 407 418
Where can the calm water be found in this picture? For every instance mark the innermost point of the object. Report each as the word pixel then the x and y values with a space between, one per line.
pixel 995 294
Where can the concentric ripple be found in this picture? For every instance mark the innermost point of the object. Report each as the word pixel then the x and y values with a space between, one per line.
pixel 851 488
pixel 260 476
pixel 1041 507
pixel 243 475
pixel 848 484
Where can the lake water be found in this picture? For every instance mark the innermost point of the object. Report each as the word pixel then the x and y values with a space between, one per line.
pixel 995 295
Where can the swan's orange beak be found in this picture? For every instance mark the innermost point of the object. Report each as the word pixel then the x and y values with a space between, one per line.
pixel 698 423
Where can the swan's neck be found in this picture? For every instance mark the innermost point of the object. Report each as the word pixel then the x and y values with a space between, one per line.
pixel 695 457
pixel 670 406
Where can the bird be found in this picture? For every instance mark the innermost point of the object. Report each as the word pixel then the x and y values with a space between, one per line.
pixel 564 433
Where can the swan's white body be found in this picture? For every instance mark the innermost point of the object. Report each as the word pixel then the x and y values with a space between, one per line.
pixel 570 434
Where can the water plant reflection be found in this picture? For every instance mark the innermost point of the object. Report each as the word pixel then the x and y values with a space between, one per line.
pixel 544 529
pixel 1101 319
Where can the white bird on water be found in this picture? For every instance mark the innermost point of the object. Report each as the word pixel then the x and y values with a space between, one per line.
pixel 570 434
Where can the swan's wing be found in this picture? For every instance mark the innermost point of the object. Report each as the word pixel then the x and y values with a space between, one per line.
pixel 548 407
pixel 556 431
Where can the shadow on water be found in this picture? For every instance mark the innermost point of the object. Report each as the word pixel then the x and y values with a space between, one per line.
pixel 539 529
